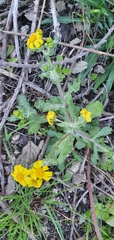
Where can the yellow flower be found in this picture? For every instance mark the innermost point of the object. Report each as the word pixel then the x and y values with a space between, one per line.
pixel 20 174
pixel 50 117
pixel 35 40
pixel 40 172
pixel 34 183
pixel 39 31
pixel 86 114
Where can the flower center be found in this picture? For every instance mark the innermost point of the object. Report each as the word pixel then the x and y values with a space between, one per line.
pixel 39 172
pixel 20 177
pixel 33 181
pixel 32 38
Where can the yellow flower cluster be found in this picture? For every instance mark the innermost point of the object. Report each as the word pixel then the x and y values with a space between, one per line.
pixel 32 177
pixel 86 114
pixel 50 117
pixel 35 40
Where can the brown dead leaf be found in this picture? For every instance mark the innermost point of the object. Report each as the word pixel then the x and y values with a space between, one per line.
pixel 11 186
pixel 79 67
pixel 79 26
pixel 24 30
pixel 60 6
pixel 99 69
pixel 75 41
pixel 79 178
pixel 29 15
pixel 29 154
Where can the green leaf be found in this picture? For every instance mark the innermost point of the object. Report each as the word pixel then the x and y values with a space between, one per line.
pixel 80 143
pixel 95 108
pixel 93 76
pixel 70 104
pixel 110 221
pixel 103 132
pixel 58 69
pixel 67 177
pixel 21 123
pixel 95 155
pixel 52 133
pixel 24 103
pixel 104 11
pixel 94 130
pixel 62 19
pixel 35 124
pixel 66 71
pixel 54 76
pixel 91 3
pixel 53 104
pixel 12 118
pixel 10 49
pixel 64 149
pixel 12 59
pixel 59 58
pixel 110 43
pixel 76 156
pixel 60 150
pixel 101 78
pixel 75 86
pixel 110 80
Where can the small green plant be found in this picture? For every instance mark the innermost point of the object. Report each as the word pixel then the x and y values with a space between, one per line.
pixel 71 128
pixel 105 215
pixel 96 12
pixel 70 125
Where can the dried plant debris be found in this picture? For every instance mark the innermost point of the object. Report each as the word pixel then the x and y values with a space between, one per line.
pixel 29 154
pixel 79 67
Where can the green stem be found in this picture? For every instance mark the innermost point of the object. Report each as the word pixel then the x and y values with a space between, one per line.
pixel 66 136
pixel 60 90
pixel 81 134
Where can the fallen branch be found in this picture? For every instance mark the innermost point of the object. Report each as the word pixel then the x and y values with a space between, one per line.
pixel 2 178
pixel 56 24
pixel 93 214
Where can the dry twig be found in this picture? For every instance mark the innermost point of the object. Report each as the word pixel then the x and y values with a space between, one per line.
pixel 88 152
pixel 21 79
pixel 2 178
pixel 7 28
pixel 15 14
pixel 55 21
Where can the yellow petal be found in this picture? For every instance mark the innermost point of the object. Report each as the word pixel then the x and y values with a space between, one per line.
pixel 38 164
pixel 47 176
pixel 45 168
pixel 50 117
pixel 86 114
pixel 31 46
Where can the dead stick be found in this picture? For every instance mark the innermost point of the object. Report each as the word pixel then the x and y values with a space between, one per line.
pixel 2 178
pixel 70 45
pixel 88 151
pixel 44 148
pixel 21 79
